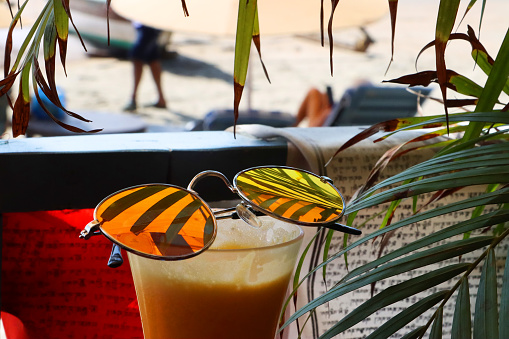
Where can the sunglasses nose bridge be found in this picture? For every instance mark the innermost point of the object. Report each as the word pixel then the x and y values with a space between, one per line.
pixel 210 173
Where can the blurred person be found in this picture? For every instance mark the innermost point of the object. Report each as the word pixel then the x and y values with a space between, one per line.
pixel 315 108
pixel 146 50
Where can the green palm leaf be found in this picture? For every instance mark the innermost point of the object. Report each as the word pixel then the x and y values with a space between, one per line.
pixel 436 329
pixel 403 318
pixel 495 84
pixel 504 303
pixel 395 293
pixel 245 27
pixel 461 322
pixel 486 312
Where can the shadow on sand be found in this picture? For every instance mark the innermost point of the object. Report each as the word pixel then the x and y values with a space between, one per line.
pixel 181 65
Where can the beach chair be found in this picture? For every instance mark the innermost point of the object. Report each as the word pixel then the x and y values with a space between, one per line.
pixel 219 120
pixel 368 104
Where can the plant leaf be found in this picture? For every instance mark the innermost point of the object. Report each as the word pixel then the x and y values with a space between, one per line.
pixel 405 264
pixel 62 26
pixel 504 302
pixel 21 111
pixel 393 294
pixel 495 84
pixel 447 12
pixel 436 329
pixel 245 26
pixel 416 333
pixel 486 313
pixel 403 318
pixel 461 322
pixel 256 41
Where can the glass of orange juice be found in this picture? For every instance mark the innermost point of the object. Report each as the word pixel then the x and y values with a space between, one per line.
pixel 235 289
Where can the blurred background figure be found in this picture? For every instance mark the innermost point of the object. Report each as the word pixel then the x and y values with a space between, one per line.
pixel 146 51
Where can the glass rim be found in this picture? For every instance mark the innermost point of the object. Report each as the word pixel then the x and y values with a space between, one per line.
pixel 290 242
pixel 268 247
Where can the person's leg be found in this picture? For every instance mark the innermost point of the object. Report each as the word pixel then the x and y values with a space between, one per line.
pixel 156 69
pixel 137 72
pixel 136 54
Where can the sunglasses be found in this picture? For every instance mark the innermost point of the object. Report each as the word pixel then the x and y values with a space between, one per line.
pixel 167 222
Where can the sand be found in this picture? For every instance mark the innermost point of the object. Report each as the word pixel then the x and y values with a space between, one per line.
pixel 198 78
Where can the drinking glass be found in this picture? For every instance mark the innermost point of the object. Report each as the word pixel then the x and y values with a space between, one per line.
pixel 235 289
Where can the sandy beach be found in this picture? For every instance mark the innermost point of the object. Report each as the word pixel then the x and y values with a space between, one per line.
pixel 198 78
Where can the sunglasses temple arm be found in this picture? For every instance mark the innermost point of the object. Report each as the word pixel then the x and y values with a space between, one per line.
pixel 115 257
pixel 343 228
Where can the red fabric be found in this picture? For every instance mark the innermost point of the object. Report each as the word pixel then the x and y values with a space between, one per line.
pixel 59 285
pixel 13 327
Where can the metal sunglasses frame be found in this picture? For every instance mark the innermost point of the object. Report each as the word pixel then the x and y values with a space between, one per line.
pixel 245 210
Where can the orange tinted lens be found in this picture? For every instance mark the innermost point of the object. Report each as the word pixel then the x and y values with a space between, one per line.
pixel 291 194
pixel 159 220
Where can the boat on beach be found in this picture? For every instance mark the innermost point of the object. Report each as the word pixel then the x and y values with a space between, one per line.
pixel 90 18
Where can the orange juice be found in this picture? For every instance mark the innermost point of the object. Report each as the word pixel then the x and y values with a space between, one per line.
pixel 233 290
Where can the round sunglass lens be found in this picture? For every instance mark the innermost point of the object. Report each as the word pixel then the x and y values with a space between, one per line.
pixel 291 194
pixel 157 220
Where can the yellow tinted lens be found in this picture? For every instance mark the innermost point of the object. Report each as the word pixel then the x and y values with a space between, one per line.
pixel 159 220
pixel 291 194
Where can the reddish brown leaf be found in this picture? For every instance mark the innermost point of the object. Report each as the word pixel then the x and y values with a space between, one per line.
pixel 237 95
pixel 8 48
pixel 68 11
pixel 393 9
pixel 331 38
pixel 322 20
pixel 423 78
pixel 52 93
pixel 20 115
pixel 461 102
pixel 440 195
pixel 7 82
pixel 50 70
pixel 108 6
pixel 62 124
pixel 256 41
pixel 184 8
pixel 62 44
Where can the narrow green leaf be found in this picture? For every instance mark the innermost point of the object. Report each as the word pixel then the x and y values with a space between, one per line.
pixel 476 176
pixel 493 87
pixel 328 241
pixel 503 322
pixel 50 39
pixel 436 329
pixel 464 159
pixel 416 333
pixel 464 85
pixel 462 322
pixel 61 19
pixel 403 318
pixel 486 312
pixel 485 220
pixel 393 294
pixel 499 196
pixel 405 264
pixel 245 26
